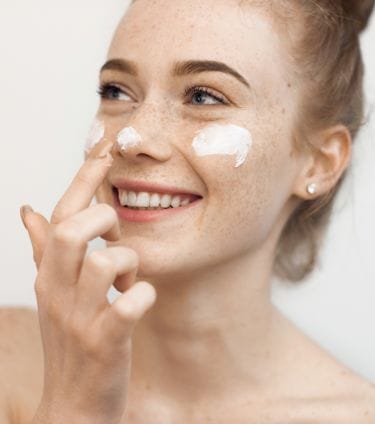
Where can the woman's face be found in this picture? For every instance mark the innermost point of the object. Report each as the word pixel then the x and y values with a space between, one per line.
pixel 242 207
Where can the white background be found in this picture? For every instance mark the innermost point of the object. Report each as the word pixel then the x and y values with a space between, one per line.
pixel 50 56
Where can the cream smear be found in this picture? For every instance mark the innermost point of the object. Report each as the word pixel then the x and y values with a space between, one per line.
pixel 96 133
pixel 128 137
pixel 218 139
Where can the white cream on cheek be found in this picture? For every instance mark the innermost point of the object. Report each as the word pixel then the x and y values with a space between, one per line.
pixel 128 137
pixel 218 139
pixel 96 133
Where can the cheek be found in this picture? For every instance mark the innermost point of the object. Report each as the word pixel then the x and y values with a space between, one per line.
pixel 232 167
pixel 224 140
pixel 245 202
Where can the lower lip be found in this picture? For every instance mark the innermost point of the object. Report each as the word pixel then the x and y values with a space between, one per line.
pixel 133 215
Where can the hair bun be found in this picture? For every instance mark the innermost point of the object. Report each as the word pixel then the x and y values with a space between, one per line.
pixel 359 11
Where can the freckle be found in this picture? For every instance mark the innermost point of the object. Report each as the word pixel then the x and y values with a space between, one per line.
pixel 283 110
pixel 289 84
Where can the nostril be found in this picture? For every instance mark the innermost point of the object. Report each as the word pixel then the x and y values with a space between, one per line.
pixel 143 155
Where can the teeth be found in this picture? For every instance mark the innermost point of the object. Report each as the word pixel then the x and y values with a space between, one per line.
pixel 132 198
pixel 123 197
pixel 165 201
pixel 144 200
pixel 176 201
pixel 154 200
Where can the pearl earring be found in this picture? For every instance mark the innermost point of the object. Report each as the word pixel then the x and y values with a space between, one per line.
pixel 311 188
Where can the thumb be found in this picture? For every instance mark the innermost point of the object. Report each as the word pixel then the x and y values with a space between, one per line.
pixel 38 227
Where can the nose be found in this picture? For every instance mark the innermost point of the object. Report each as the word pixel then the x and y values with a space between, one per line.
pixel 145 135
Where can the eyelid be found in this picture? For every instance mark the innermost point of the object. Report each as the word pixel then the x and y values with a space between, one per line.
pixel 190 90
pixel 107 85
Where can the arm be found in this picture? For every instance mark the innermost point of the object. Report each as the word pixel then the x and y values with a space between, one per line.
pixel 4 408
pixel 86 339
pixel 21 370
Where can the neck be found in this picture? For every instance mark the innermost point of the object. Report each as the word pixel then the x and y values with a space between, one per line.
pixel 208 333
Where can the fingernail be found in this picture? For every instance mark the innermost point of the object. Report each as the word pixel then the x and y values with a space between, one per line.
pixel 23 211
pixel 109 160
pixel 104 151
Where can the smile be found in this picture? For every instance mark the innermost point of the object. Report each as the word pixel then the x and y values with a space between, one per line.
pixel 149 206
pixel 148 200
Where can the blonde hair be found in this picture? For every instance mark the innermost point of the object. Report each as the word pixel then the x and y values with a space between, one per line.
pixel 327 57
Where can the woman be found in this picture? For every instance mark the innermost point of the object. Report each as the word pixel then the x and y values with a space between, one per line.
pixel 239 118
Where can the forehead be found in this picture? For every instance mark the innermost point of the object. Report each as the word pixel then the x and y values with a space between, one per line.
pixel 156 33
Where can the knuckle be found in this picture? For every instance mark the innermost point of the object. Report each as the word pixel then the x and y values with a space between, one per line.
pixel 100 261
pixel 39 289
pixel 67 234
pixel 126 311
pixel 107 209
pixel 75 330
pixel 131 254
pixel 83 179
pixel 59 214
pixel 88 342
pixel 53 310
pixel 91 345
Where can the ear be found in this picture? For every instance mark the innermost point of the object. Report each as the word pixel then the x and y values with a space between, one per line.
pixel 325 164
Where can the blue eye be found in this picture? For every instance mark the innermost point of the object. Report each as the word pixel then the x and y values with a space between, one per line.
pixel 111 92
pixel 200 94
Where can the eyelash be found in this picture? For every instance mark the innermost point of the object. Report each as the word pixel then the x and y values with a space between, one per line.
pixel 190 91
pixel 104 90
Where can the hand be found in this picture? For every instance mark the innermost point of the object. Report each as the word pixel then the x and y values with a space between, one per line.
pixel 86 340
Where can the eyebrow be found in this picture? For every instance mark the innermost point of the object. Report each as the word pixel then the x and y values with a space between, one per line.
pixel 180 68
pixel 121 65
pixel 198 66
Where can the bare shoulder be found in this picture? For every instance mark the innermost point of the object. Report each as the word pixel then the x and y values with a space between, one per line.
pixel 318 388
pixel 20 319
pixel 363 406
pixel 349 396
pixel 334 395
pixel 356 404
pixel 21 360
pixel 19 329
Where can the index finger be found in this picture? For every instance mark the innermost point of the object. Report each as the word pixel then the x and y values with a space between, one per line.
pixel 82 189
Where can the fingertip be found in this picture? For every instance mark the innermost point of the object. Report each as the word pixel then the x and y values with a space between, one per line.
pixel 151 289
pixel 38 227
pixel 102 150
pixel 24 211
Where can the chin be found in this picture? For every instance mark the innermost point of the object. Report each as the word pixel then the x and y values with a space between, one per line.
pixel 158 261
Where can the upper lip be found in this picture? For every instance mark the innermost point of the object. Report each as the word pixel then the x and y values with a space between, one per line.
pixel 137 185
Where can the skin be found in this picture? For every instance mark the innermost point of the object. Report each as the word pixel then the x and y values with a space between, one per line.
pixel 206 343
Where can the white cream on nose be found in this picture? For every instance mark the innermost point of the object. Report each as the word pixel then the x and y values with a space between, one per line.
pixel 228 139
pixel 96 133
pixel 128 137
